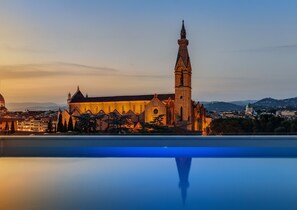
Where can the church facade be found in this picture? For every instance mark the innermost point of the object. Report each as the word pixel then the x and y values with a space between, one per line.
pixel 178 108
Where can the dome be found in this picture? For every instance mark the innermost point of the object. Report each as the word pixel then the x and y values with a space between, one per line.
pixel 2 101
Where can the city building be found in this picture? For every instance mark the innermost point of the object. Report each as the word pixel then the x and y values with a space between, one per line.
pixel 25 121
pixel 234 114
pixel 28 122
pixel 286 114
pixel 178 108
pixel 33 124
pixel 249 110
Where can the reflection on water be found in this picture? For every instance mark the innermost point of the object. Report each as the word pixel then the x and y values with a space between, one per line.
pixel 183 166
pixel 148 183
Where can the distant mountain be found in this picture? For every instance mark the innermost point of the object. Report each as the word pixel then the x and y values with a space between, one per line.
pixel 33 106
pixel 272 103
pixel 243 103
pixel 265 103
pixel 218 106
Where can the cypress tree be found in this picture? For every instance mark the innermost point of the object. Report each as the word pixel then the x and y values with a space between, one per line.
pixel 50 125
pixel 6 130
pixel 76 127
pixel 60 123
pixel 65 126
pixel 12 129
pixel 70 124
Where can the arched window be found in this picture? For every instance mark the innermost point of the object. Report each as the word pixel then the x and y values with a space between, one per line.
pixel 181 113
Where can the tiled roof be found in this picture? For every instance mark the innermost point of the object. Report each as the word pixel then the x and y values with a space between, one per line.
pixel 78 95
pixel 122 98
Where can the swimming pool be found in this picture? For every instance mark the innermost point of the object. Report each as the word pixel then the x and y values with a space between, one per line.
pixel 148 183
pixel 173 181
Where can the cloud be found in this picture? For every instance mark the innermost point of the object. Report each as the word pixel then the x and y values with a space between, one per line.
pixel 95 68
pixel 50 70
pixel 279 49
pixel 46 70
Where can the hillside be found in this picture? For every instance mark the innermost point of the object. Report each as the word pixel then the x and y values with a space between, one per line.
pixel 271 103
pixel 222 106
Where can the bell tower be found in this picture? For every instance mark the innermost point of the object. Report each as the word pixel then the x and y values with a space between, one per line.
pixel 183 86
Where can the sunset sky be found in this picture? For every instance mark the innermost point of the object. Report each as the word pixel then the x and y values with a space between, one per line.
pixel 240 49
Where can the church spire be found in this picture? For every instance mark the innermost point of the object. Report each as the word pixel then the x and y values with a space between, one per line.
pixel 183 167
pixel 183 50
pixel 183 84
pixel 183 33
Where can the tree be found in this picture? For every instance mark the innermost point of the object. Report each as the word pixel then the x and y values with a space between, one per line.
pixel 293 126
pixel 280 130
pixel 70 124
pixel 155 126
pixel 158 121
pixel 12 128
pixel 65 126
pixel 86 123
pixel 50 126
pixel 60 127
pixel 100 118
pixel 76 126
pixel 6 130
pixel 231 126
pixel 265 124
pixel 118 123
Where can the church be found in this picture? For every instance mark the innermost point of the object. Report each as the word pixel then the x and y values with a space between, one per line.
pixel 178 108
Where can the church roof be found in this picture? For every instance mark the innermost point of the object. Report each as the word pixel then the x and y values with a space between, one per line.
pixel 78 95
pixel 183 33
pixel 249 105
pixel 183 53
pixel 121 98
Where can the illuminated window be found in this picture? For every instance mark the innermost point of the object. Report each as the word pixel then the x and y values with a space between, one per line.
pixel 140 108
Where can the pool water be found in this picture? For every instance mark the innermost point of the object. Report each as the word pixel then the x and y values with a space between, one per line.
pixel 147 183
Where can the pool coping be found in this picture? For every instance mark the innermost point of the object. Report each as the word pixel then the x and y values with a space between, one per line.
pixel 148 146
